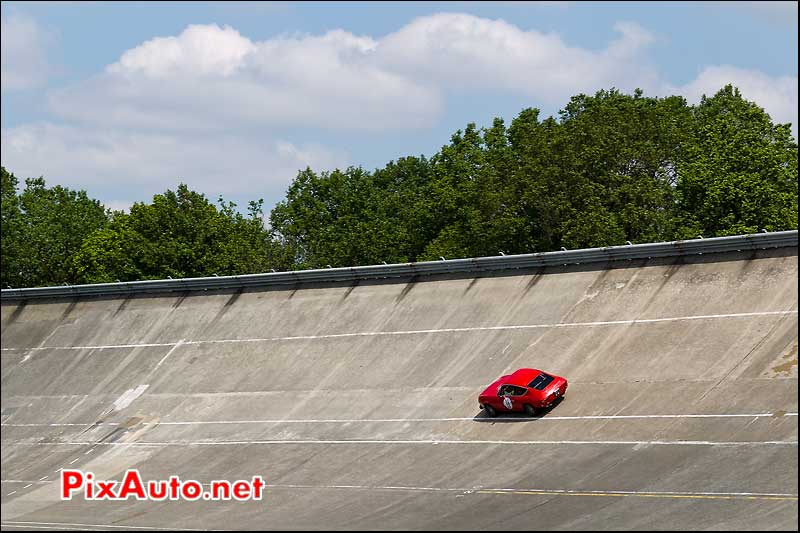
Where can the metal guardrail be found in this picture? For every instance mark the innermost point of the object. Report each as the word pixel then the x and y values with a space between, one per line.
pixel 476 265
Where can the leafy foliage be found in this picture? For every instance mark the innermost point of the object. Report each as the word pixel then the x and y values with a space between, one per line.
pixel 611 168
pixel 43 228
pixel 738 172
pixel 181 234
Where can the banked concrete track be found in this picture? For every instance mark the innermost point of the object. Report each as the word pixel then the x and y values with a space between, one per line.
pixel 357 402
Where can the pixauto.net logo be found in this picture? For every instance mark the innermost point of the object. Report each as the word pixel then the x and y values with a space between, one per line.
pixel 76 483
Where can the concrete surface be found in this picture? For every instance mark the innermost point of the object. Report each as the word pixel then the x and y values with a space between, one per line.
pixel 357 403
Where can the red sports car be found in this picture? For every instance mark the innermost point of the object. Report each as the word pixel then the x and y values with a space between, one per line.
pixel 527 389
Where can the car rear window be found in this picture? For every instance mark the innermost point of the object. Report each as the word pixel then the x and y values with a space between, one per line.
pixel 541 381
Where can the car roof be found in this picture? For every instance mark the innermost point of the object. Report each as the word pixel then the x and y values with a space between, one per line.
pixel 521 377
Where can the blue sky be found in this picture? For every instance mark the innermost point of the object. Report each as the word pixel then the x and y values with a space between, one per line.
pixel 127 99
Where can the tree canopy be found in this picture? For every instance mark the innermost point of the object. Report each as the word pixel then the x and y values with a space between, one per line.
pixel 181 234
pixel 42 229
pixel 611 168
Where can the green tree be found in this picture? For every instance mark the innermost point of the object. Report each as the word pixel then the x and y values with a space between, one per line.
pixel 181 234
pixel 46 228
pixel 404 207
pixel 738 172
pixel 114 253
pixel 474 196
pixel 613 168
pixel 623 152
pixel 10 228
pixel 538 181
pixel 456 179
pixel 352 216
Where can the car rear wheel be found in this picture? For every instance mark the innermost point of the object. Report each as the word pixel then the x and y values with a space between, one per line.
pixel 529 410
pixel 490 411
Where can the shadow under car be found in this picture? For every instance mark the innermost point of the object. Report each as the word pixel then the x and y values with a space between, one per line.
pixel 514 417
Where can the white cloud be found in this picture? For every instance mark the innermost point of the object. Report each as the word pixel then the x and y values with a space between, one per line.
pixel 464 51
pixel 199 50
pixel 23 53
pixel 206 106
pixel 127 166
pixel 777 95
pixel 213 78
pixel 210 77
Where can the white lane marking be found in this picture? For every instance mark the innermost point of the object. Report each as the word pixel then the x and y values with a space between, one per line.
pixel 141 345
pixel 43 478
pixel 143 444
pixel 518 489
pixel 74 460
pixel 408 420
pixel 63 424
pixel 425 331
pixel 177 344
pixel 12 492
pixel 465 419
pixel 565 491
pixel 57 528
pixel 102 526
pixel 28 485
